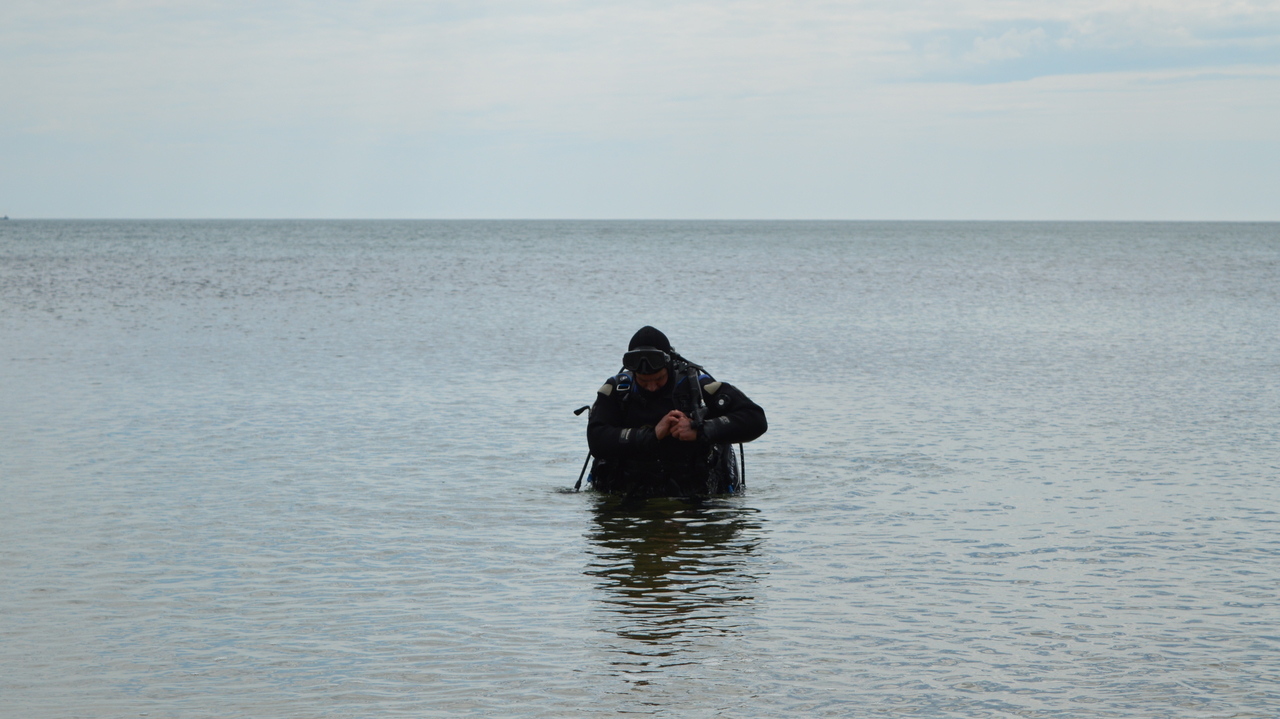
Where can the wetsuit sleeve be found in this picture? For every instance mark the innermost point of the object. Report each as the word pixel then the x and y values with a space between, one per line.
pixel 606 434
pixel 731 416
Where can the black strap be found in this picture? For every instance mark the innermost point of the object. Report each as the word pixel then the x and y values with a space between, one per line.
pixel 578 486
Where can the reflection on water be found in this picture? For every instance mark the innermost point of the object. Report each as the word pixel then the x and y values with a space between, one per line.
pixel 672 574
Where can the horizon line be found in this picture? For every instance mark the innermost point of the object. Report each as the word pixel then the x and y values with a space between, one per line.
pixel 617 219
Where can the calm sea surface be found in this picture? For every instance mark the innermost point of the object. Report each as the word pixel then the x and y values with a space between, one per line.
pixel 314 469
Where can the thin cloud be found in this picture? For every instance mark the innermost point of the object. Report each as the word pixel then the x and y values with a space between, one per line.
pixel 1151 40
pixel 685 96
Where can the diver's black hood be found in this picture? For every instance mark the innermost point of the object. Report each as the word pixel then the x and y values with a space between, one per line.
pixel 649 337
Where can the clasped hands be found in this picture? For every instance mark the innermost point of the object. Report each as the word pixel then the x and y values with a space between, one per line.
pixel 676 424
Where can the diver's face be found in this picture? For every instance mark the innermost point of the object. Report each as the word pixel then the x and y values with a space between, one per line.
pixel 652 382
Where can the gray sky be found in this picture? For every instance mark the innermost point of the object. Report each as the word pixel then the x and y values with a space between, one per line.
pixel 968 109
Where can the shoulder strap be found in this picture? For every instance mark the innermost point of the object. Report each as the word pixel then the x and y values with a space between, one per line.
pixel 621 382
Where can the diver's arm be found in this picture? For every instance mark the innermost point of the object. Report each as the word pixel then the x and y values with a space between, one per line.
pixel 732 416
pixel 606 435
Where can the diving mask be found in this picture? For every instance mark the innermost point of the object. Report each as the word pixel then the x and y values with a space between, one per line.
pixel 645 360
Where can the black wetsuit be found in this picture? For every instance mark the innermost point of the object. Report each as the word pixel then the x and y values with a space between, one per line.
pixel 631 460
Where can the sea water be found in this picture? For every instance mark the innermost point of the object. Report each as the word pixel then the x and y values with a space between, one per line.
pixel 312 469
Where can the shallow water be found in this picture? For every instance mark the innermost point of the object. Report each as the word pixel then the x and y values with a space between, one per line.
pixel 307 469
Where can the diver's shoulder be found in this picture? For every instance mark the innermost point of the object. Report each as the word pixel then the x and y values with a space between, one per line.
pixel 620 382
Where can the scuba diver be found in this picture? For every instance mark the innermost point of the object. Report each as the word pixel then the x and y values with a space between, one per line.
pixel 663 427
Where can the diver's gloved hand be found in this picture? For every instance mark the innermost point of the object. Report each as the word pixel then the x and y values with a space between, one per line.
pixel 684 429
pixel 676 424
pixel 668 424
